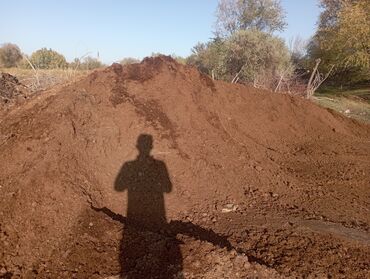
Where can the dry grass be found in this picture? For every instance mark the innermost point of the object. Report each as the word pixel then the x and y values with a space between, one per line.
pixel 44 79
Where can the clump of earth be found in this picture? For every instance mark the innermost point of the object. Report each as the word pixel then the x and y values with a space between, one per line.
pixel 11 90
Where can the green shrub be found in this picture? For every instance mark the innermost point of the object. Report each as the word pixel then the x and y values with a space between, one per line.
pixel 248 55
pixel 48 59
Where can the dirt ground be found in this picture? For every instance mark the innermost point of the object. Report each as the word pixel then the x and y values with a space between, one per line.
pixel 154 170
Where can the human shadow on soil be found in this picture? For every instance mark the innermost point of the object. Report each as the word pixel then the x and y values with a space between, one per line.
pixel 149 247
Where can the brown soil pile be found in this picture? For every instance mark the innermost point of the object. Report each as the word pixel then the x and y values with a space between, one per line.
pixel 240 183
pixel 11 90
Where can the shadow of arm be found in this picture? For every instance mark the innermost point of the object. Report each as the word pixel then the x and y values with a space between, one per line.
pixel 110 213
pixel 121 179
pixel 197 232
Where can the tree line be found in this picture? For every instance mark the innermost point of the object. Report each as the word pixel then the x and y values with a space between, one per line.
pixel 246 49
pixel 44 58
pixel 343 40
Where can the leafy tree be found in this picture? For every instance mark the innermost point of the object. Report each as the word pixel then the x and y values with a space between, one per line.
pixel 343 39
pixel 351 35
pixel 48 59
pixel 263 15
pixel 10 55
pixel 248 56
pixel 209 58
pixel 257 57
pixel 330 12
pixel 245 49
pixel 329 15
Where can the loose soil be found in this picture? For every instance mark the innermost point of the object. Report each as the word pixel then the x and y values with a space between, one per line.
pixel 11 90
pixel 154 170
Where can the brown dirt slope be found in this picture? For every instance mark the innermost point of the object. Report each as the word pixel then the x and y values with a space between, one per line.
pixel 250 184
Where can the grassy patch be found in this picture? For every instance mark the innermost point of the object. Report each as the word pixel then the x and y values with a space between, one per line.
pixel 362 92
pixel 353 107
pixel 352 102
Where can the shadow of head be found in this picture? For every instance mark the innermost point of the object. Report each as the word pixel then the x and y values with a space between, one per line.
pixel 144 144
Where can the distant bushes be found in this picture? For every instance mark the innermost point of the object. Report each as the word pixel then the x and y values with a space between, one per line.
pixel 44 58
pixel 48 59
pixel 87 63
pixel 10 55
pixel 129 60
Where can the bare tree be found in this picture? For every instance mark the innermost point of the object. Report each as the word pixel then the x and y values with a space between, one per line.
pixel 316 79
pixel 297 48
pixel 285 76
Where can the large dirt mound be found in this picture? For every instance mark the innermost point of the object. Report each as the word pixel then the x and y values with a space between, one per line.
pixel 155 170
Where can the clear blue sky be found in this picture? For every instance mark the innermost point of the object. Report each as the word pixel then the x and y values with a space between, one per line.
pixel 122 28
